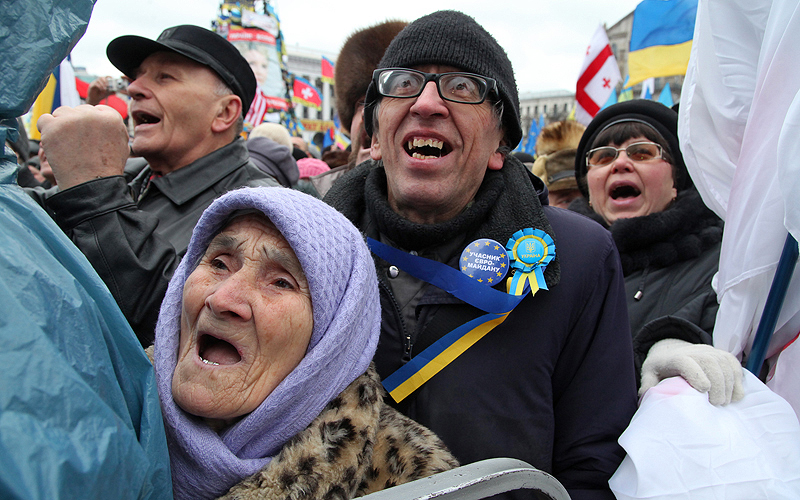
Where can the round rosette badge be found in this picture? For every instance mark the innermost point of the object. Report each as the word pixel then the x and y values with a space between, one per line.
pixel 485 260
pixel 530 251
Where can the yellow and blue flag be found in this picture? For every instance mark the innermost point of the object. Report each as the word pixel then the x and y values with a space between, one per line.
pixel 626 94
pixel 60 90
pixel 341 140
pixel 661 38
pixel 533 134
pixel 665 97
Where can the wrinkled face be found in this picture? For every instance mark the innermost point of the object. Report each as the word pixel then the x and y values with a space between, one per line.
pixel 435 152
pixel 259 64
pixel 626 188
pixel 175 102
pixel 245 324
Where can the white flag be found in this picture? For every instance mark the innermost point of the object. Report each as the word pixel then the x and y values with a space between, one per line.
pixel 68 91
pixel 648 89
pixel 598 77
pixel 739 129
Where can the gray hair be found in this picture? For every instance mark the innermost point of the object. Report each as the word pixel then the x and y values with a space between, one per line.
pixel 222 89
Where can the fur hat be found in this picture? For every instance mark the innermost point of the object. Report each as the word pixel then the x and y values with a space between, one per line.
pixel 557 170
pixel 451 38
pixel 559 135
pixel 660 118
pixel 555 148
pixel 359 57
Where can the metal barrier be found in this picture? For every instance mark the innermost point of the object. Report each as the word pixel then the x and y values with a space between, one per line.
pixel 476 481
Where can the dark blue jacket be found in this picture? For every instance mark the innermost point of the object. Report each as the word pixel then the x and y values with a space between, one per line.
pixel 554 384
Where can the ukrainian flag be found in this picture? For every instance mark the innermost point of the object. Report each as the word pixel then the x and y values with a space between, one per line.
pixel 661 39
pixel 59 91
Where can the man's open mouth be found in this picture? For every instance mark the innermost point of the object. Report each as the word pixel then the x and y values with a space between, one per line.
pixel 142 118
pixel 215 351
pixel 424 149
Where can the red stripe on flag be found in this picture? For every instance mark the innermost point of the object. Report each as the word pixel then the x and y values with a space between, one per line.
pixel 586 102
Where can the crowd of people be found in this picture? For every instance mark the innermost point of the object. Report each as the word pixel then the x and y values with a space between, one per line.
pixel 311 332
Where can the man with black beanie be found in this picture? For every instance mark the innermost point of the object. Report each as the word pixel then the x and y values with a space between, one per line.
pixel 190 90
pixel 447 211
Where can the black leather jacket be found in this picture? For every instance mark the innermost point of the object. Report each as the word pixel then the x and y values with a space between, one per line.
pixel 135 239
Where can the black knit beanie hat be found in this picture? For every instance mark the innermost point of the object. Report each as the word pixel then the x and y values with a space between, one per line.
pixel 451 38
pixel 661 118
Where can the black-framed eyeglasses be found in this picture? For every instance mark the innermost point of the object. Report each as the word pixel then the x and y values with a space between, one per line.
pixel 461 87
pixel 638 151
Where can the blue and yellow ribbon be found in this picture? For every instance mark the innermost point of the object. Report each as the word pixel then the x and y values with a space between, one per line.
pixel 497 304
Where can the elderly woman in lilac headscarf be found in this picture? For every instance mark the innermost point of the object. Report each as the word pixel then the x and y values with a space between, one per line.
pixel 263 359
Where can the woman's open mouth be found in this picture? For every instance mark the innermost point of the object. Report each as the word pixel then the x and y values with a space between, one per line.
pixel 214 351
pixel 623 191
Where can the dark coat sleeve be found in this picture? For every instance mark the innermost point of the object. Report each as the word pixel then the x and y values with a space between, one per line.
pixel 119 241
pixel 594 389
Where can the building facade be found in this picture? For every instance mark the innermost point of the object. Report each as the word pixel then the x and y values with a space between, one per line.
pixel 307 63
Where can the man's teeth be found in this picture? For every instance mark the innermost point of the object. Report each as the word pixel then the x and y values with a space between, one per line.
pixel 209 362
pixel 422 157
pixel 418 143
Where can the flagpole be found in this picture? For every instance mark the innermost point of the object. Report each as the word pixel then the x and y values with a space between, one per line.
pixel 777 294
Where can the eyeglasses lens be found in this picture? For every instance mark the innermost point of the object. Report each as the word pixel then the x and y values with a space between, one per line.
pixel 457 87
pixel 395 83
pixel 640 151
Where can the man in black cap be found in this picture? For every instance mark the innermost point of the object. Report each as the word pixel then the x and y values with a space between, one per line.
pixel 190 90
pixel 444 203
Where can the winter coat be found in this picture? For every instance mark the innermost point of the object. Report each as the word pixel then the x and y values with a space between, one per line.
pixel 553 384
pixel 135 234
pixel 669 259
pixel 356 446
pixel 274 159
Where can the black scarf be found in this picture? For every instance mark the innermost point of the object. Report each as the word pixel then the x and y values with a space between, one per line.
pixel 683 231
pixel 505 203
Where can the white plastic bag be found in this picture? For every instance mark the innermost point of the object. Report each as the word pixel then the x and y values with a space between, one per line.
pixel 679 446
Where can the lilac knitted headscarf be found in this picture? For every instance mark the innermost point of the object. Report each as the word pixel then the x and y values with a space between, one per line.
pixel 344 297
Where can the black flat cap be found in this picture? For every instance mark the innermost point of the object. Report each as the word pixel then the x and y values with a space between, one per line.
pixel 196 43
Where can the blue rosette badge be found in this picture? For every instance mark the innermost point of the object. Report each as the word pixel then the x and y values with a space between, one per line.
pixel 530 250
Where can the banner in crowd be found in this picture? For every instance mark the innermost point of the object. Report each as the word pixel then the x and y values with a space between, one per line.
pixel 599 76
pixel 665 97
pixel 305 93
pixel 258 38
pixel 661 38
pixel 327 70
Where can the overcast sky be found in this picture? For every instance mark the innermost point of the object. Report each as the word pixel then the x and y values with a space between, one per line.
pixel 546 40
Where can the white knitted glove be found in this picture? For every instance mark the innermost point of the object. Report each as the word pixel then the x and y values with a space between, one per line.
pixel 704 367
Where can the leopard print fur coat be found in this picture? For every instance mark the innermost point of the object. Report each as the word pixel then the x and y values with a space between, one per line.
pixel 356 446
